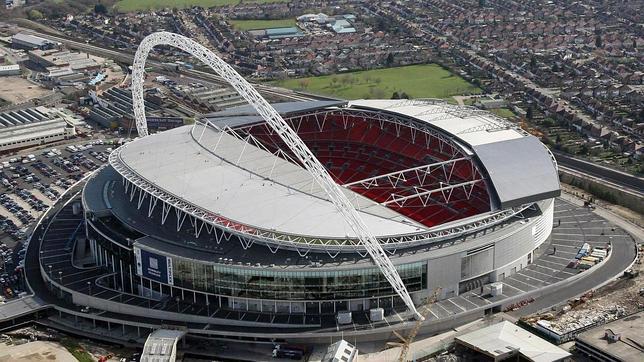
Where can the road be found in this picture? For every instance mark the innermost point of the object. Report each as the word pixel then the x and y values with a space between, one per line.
pixel 621 179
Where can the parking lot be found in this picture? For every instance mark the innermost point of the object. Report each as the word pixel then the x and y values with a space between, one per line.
pixel 29 184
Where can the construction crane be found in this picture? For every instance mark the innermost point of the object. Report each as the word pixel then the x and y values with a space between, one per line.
pixel 405 343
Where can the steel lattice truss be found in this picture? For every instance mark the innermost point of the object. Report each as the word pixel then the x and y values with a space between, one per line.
pixel 270 115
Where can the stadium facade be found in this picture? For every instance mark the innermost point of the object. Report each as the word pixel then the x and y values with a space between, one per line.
pixel 221 214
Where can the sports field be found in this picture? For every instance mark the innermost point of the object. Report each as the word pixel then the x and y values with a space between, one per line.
pixel 139 5
pixel 244 25
pixel 417 81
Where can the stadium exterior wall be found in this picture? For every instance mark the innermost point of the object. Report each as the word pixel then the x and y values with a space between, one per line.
pixel 455 269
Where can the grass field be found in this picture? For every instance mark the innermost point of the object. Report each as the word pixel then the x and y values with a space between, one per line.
pixel 503 112
pixel 137 5
pixel 244 25
pixel 418 81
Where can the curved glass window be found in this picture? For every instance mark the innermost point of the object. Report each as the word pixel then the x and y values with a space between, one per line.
pixel 293 285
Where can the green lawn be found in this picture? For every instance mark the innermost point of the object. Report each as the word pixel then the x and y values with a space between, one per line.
pixel 418 81
pixel 503 112
pixel 139 5
pixel 244 25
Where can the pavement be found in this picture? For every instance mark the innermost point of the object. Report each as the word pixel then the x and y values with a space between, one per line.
pixel 35 351
pixel 21 306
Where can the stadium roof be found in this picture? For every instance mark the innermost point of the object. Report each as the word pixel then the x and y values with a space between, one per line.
pixel 253 187
pixel 520 170
pixel 518 165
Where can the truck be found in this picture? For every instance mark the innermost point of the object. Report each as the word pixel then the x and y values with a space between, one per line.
pixel 289 351
pixel 344 317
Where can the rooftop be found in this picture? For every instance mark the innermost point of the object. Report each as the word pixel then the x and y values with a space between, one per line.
pixel 31 39
pixel 505 339
pixel 629 347
pixel 245 186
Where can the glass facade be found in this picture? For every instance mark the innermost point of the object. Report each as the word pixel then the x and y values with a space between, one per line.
pixel 293 285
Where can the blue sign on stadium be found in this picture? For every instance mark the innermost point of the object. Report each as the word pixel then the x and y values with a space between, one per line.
pixel 154 266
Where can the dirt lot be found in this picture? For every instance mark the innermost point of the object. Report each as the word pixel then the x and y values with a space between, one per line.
pixel 615 300
pixel 17 90
pixel 35 351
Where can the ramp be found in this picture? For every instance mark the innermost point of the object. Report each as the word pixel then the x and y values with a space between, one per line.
pixel 161 345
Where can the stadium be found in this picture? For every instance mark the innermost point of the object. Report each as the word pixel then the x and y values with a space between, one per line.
pixel 221 213
pixel 224 227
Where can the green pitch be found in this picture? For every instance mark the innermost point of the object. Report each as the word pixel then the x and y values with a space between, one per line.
pixel 417 81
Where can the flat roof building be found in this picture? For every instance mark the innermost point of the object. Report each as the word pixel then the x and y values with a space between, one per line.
pixel 620 340
pixel 28 41
pixel 504 341
pixel 7 70
pixel 288 32
pixel 65 59
pixel 34 126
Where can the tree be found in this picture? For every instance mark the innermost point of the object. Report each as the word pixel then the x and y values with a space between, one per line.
pixel 529 113
pixel 598 41
pixel 404 95
pixel 100 9
pixel 533 62
pixel 34 14
pixel 334 81
pixel 482 3
pixel 395 95
pixel 390 59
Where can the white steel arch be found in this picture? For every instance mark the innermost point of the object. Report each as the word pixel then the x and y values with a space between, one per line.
pixel 270 115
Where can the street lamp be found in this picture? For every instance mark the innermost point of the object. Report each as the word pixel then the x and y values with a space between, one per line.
pixel 89 287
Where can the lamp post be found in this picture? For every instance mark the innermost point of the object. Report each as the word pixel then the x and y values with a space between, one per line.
pixel 60 278
pixel 89 287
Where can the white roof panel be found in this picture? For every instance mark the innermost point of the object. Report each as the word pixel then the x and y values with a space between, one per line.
pixel 248 189
pixel 446 117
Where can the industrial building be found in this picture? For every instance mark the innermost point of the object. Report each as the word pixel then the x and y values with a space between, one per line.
pixel 508 342
pixel 8 70
pixel 30 42
pixel 34 126
pixel 620 340
pixel 277 33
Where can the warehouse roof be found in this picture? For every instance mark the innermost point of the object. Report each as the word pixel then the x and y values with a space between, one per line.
pixel 36 41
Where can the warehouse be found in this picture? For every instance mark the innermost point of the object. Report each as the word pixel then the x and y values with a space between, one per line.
pixel 7 70
pixel 27 41
pixel 34 126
